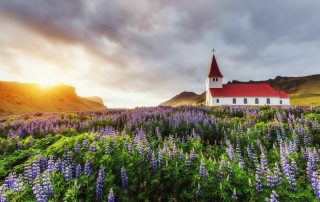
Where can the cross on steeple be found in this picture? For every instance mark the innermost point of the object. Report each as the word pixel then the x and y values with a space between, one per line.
pixel 213 50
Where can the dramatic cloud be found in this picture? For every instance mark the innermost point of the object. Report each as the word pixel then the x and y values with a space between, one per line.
pixel 135 53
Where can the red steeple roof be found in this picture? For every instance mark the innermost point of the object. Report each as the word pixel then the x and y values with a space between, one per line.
pixel 214 69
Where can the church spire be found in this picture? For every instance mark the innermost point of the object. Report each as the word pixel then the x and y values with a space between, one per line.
pixel 214 69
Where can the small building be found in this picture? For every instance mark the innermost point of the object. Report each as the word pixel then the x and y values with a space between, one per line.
pixel 259 94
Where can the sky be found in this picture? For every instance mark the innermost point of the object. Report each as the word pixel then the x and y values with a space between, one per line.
pixel 141 53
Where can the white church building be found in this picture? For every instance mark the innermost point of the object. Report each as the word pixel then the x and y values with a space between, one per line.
pixel 218 94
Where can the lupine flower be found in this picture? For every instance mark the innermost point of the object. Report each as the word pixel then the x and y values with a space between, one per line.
pixel 111 196
pixel 68 173
pixel 199 191
pixel 277 173
pixel 258 179
pixel 99 186
pixel 181 154
pixel 13 182
pixel 78 170
pixel 315 181
pixel 264 163
pixel 202 170
pixel 124 178
pixel 234 195
pixel 37 190
pixel 192 155
pixel 153 162
pixel 106 150
pixel 46 184
pixel 270 179
pixel 274 196
pixel 51 166
pixel 160 157
pixel 87 168
pixel 76 148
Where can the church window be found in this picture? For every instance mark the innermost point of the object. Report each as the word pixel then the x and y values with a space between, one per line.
pixel 257 100
pixel 268 101
pixel 281 102
pixel 217 100
pixel 245 101
pixel 234 101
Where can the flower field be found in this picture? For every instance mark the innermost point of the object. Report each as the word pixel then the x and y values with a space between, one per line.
pixel 162 154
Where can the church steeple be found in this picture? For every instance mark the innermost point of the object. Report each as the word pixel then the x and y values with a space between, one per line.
pixel 214 69
pixel 214 79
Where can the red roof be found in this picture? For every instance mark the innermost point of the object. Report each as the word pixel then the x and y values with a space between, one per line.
pixel 245 90
pixel 283 94
pixel 214 69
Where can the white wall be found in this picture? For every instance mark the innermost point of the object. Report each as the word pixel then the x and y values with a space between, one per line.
pixel 251 101
pixel 210 83
pixel 285 101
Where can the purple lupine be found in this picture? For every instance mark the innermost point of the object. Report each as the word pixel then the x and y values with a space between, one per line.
pixel 160 157
pixel 234 195
pixel 277 173
pixel 76 148
pixel 51 166
pixel 315 182
pixel 99 185
pixel 46 184
pixel 199 191
pixel 264 163
pixel 37 190
pixel 111 196
pixel 181 154
pixel 69 157
pixel 258 179
pixel 202 170
pixel 13 182
pixel 85 144
pixel 27 174
pixel 87 168
pixel 192 155
pixel 154 162
pixel 270 179
pixel 124 178
pixel 273 197
pixel 78 170
pixel 229 150
pixel 106 150
pixel 35 169
pixel 68 173
pixel 58 165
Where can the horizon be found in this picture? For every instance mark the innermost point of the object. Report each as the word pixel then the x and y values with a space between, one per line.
pixel 142 54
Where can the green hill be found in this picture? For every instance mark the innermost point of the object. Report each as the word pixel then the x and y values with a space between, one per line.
pixel 17 98
pixel 302 90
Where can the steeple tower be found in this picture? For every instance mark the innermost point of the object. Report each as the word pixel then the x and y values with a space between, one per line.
pixel 214 79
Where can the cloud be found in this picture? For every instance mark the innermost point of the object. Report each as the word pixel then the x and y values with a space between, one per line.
pixel 159 48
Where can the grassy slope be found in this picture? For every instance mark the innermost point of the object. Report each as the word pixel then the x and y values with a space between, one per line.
pixel 22 98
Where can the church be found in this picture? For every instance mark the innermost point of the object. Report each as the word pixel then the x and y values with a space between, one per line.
pixel 218 94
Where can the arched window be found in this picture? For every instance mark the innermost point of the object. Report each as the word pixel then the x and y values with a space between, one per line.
pixel 245 101
pixel 217 100
pixel 268 101
pixel 281 102
pixel 234 101
pixel 256 101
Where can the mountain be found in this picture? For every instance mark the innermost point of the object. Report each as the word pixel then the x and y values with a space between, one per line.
pixel 19 98
pixel 302 90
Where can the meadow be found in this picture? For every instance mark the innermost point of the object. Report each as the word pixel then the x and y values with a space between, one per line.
pixel 162 154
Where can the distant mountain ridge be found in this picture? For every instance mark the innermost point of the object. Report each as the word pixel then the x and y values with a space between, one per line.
pixel 303 90
pixel 17 98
